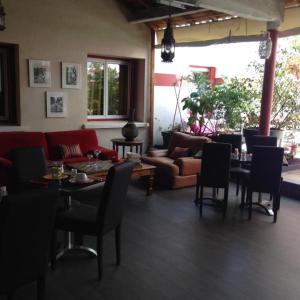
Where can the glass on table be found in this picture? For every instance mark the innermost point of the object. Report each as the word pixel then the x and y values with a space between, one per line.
pixel 89 157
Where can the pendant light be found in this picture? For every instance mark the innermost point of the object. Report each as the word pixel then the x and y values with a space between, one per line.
pixel 265 46
pixel 168 42
pixel 2 17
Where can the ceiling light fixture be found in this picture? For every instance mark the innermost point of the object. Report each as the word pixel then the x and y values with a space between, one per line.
pixel 168 42
pixel 2 17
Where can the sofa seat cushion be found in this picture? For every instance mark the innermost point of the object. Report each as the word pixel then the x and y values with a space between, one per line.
pixel 75 160
pixel 188 165
pixel 166 164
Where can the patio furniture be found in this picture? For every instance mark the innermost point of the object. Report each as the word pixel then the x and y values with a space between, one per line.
pixel 176 166
pixel 215 172
pixel 50 142
pixel 260 140
pixel 29 165
pixel 235 140
pixel 265 176
pixel 25 230
pixel 99 170
pixel 137 144
pixel 89 220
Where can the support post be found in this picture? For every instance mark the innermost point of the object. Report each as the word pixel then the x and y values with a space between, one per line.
pixel 268 86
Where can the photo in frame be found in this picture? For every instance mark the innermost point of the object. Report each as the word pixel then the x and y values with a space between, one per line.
pixel 56 104
pixel 39 73
pixel 71 75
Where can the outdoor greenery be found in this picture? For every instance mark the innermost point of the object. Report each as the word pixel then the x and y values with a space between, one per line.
pixel 236 102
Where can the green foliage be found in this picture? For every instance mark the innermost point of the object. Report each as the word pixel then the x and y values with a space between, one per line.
pixel 236 103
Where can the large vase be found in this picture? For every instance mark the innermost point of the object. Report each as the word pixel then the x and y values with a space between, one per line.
pixel 130 131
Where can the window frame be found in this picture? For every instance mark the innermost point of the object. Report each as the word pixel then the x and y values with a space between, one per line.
pixel 106 62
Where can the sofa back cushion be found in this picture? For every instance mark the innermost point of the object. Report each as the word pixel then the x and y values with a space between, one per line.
pixel 86 138
pixel 22 139
pixel 183 140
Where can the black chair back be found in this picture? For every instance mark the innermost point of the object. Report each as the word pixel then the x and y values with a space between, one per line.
pixel 29 164
pixel 26 227
pixel 266 167
pixel 215 167
pixel 235 140
pixel 260 140
pixel 110 209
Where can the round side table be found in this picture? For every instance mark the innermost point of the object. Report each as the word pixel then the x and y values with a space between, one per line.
pixel 137 144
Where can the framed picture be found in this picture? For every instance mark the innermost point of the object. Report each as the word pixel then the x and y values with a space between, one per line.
pixel 71 75
pixel 56 103
pixel 39 73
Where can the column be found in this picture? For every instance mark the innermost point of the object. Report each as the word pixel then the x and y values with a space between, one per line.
pixel 268 86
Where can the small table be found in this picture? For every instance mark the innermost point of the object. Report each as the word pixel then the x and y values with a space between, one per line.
pixel 122 142
pixel 141 170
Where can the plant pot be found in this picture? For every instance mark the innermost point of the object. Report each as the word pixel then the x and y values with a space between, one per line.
pixel 278 133
pixel 166 135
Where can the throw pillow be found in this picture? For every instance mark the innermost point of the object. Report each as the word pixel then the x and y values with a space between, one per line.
pixel 179 152
pixel 70 151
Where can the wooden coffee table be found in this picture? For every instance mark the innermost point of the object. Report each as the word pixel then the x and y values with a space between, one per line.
pixel 143 170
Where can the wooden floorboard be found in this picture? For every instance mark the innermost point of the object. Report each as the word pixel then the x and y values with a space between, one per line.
pixel 170 253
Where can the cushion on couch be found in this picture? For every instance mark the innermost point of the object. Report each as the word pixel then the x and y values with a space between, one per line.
pixel 179 152
pixel 70 151
pixel 184 140
pixel 188 165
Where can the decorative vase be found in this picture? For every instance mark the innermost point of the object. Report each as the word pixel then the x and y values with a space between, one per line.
pixel 130 131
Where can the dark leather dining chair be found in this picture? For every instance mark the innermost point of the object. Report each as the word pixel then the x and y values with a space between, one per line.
pixel 235 140
pixel 260 140
pixel 29 165
pixel 27 221
pixel 265 175
pixel 215 171
pixel 90 220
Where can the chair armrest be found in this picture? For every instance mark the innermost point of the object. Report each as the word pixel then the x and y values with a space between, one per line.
pixel 188 165
pixel 5 163
pixel 158 153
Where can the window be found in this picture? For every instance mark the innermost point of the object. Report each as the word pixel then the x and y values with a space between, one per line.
pixel 108 88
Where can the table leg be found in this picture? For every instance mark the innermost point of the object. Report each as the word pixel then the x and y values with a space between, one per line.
pixel 123 151
pixel 150 185
pixel 141 150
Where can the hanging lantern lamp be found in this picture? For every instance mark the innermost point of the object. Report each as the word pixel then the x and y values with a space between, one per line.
pixel 265 46
pixel 168 42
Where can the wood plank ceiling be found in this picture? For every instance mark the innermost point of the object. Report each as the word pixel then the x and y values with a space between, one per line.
pixel 155 13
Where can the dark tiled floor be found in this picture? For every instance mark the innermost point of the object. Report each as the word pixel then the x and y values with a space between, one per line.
pixel 170 253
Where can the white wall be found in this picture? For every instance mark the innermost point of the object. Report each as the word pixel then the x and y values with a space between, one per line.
pixel 67 31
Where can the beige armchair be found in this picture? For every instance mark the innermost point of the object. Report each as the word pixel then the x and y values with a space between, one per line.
pixel 176 166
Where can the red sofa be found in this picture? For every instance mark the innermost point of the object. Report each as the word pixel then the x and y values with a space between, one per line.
pixel 86 138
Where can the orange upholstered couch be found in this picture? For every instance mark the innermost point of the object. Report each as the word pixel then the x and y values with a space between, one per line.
pixel 176 172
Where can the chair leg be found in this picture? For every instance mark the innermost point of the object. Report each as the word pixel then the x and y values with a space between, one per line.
pixel 99 256
pixel 237 184
pixel 41 284
pixel 243 196
pixel 225 202
pixel 197 190
pixel 201 200
pixel 249 201
pixel 276 205
pixel 53 250
pixel 118 244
